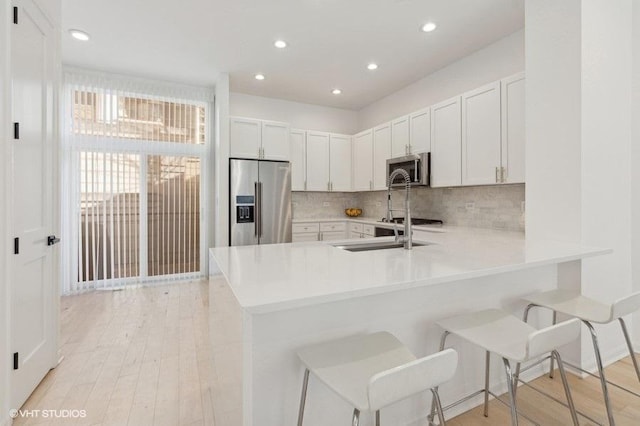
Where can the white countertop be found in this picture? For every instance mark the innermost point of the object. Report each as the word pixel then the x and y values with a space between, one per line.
pixel 274 277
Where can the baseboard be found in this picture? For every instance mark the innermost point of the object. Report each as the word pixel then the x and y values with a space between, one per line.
pixel 497 388
pixel 608 357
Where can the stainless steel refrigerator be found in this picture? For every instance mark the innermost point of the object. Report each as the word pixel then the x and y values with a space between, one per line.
pixel 260 202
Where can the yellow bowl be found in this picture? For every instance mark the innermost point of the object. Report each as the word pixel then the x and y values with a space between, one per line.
pixel 353 212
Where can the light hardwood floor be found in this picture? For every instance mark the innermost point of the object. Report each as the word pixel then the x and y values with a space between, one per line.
pixel 142 357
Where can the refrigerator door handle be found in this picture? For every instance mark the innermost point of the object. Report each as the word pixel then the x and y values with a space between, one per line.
pixel 259 203
pixel 257 209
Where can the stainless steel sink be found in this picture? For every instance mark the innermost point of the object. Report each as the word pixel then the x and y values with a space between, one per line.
pixel 374 245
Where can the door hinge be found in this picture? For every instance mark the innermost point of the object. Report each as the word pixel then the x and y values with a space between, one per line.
pixel 16 130
pixel 16 245
pixel 16 365
pixel 15 15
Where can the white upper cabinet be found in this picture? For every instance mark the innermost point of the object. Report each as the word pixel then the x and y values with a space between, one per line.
pixel 245 137
pixel 339 162
pixel 446 143
pixel 298 139
pixel 258 139
pixel 318 161
pixel 481 136
pixel 275 141
pixel 513 135
pixel 363 161
pixel 420 131
pixel 381 153
pixel 400 137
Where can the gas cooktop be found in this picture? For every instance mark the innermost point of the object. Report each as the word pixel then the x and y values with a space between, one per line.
pixel 415 221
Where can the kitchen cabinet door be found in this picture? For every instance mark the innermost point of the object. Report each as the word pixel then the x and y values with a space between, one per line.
pixel 446 143
pixel 317 161
pixel 245 137
pixel 340 162
pixel 306 236
pixel 381 153
pixel 275 141
pixel 481 135
pixel 513 135
pixel 298 139
pixel 333 235
pixel 363 161
pixel 420 131
pixel 400 137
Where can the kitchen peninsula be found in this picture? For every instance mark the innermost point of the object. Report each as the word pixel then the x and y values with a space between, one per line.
pixel 266 301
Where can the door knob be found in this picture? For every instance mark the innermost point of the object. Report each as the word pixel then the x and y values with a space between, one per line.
pixel 52 239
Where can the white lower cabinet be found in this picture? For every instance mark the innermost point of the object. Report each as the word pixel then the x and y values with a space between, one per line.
pixel 305 231
pixel 361 230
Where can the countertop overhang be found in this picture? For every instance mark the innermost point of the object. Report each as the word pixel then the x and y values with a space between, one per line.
pixel 269 278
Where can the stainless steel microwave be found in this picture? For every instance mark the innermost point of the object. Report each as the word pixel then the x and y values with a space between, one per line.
pixel 418 166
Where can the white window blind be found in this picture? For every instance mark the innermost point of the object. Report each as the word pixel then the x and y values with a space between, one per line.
pixel 133 160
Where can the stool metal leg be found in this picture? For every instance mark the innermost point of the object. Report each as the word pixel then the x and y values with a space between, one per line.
pixel 555 321
pixel 511 384
pixel 303 397
pixel 487 366
pixel 603 380
pixel 377 417
pixel 356 417
pixel 432 415
pixel 567 391
pixel 436 398
pixel 630 346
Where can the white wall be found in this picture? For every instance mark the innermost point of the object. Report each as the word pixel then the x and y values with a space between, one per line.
pixel 299 115
pixel 221 161
pixel 500 59
pixel 635 170
pixel 578 112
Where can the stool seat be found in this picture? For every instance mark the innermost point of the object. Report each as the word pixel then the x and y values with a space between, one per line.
pixel 503 334
pixel 373 371
pixel 346 365
pixel 574 304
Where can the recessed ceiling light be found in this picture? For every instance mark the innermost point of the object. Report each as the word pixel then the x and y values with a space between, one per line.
pixel 259 77
pixel 280 44
pixel 336 91
pixel 428 27
pixel 372 66
pixel 79 35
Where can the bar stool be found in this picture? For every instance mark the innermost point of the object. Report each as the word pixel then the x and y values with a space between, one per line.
pixel 591 311
pixel 373 371
pixel 512 339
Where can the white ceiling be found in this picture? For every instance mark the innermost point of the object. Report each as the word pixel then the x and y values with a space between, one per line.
pixel 330 42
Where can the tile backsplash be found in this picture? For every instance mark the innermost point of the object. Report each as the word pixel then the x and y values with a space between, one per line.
pixel 495 206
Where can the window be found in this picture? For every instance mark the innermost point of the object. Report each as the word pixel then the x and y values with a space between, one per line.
pixel 134 176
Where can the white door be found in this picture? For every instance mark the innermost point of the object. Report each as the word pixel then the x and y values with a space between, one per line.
pixel 400 137
pixel 445 143
pixel 381 153
pixel 481 135
pixel 275 141
pixel 298 140
pixel 420 132
pixel 363 161
pixel 340 162
pixel 513 138
pixel 317 161
pixel 244 137
pixel 34 285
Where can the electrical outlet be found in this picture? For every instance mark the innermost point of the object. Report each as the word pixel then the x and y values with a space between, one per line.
pixel 378 204
pixel 326 204
pixel 470 206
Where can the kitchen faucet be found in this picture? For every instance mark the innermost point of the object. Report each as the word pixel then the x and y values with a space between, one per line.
pixel 406 238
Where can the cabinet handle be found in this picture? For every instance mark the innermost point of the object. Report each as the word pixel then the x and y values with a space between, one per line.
pixel 319 236
pixel 305 185
pixel 370 185
pixel 497 175
pixel 504 174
